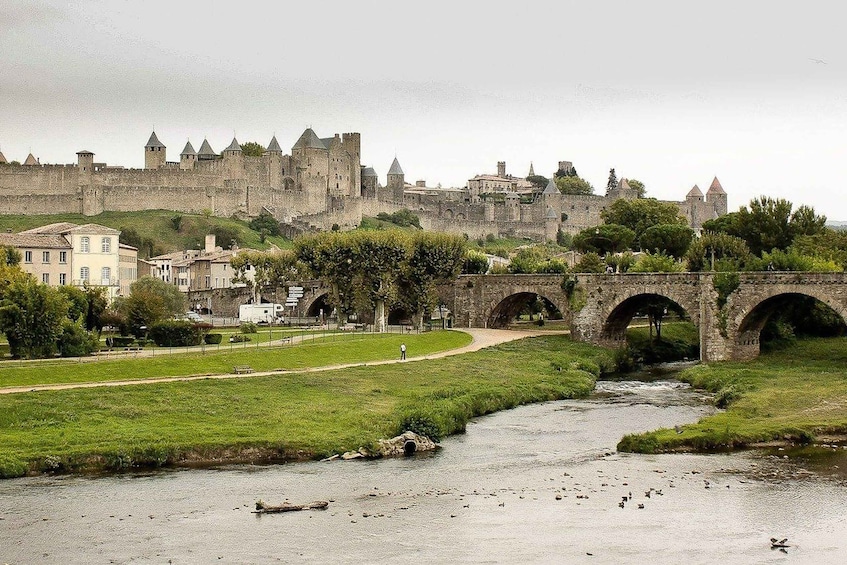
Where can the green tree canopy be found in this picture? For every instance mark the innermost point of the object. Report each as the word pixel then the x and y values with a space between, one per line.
pixel 476 263
pixel 769 224
pixel 673 239
pixel 272 270
pixel 605 238
pixel 252 149
pixel 730 253
pixel 573 185
pixel 826 244
pixel 590 263
pixel 31 316
pixel 538 181
pixel 637 185
pixel 150 300
pixel 612 183
pixel 642 213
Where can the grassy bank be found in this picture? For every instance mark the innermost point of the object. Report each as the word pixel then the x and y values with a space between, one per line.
pixel 284 417
pixel 333 350
pixel 680 340
pixel 795 394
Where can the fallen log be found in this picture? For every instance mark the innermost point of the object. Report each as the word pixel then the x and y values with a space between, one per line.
pixel 263 508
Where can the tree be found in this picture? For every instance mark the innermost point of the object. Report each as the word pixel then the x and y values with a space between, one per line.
pixel 573 185
pixel 98 302
pixel 272 270
pixel 538 181
pixel 673 239
pixel 31 316
pixel 433 258
pixel 77 302
pixel 252 149
pixel 606 238
pixel 769 224
pixel 150 300
pixel 589 263
pixel 9 256
pixel 642 213
pixel 476 263
pixel 329 258
pixel 656 263
pixel 826 244
pixel 612 183
pixel 267 222
pixel 637 185
pixel 728 252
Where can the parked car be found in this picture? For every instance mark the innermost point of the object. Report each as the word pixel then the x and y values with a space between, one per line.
pixel 193 316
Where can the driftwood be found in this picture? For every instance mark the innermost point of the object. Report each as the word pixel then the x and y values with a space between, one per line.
pixel 262 508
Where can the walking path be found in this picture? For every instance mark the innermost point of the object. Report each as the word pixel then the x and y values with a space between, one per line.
pixel 482 338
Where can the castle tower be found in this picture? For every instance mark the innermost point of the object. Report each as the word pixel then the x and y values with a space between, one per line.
pixel 531 170
pixel 311 157
pixel 31 161
pixel 694 195
pixel 352 143
pixel 91 204
pixel 513 208
pixel 370 182
pixel 234 149
pixel 154 153
pixel 716 197
pixel 188 157
pixel 550 191
pixel 501 168
pixel 396 181
pixel 566 166
pixel 206 153
pixel 273 154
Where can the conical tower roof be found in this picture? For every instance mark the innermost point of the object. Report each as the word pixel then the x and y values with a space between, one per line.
pixel 716 187
pixel 531 170
pixel 395 168
pixel 3 158
pixel 274 145
pixel 695 191
pixel 369 172
pixel 551 188
pixel 31 160
pixel 234 146
pixel 206 150
pixel 189 149
pixel 309 140
pixel 154 141
pixel 623 184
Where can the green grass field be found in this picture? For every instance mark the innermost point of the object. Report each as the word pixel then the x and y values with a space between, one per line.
pixel 793 394
pixel 333 350
pixel 292 416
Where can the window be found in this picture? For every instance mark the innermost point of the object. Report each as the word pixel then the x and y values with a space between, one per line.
pixel 105 276
pixel 63 256
pixel 63 278
pixel 45 256
pixel 83 274
pixel 45 278
pixel 107 245
pixel 27 256
pixel 84 244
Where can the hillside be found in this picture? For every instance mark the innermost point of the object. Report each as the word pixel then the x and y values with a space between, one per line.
pixel 157 231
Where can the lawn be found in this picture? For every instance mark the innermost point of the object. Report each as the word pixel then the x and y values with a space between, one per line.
pixel 795 394
pixel 284 417
pixel 333 350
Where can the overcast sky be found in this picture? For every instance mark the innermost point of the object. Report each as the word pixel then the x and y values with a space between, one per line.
pixel 670 93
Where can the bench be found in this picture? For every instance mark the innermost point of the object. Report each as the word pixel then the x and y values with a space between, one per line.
pixel 242 369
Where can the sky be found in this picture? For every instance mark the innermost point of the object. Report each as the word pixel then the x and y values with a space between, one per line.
pixel 670 93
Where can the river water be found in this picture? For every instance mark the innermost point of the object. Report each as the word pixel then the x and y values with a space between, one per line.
pixel 538 484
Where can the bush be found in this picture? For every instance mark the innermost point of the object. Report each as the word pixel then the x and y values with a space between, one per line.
pixel 421 424
pixel 248 328
pixel 11 467
pixel 213 339
pixel 238 338
pixel 75 340
pixel 175 333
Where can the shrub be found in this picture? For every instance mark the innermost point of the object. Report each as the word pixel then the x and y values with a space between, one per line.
pixel 238 338
pixel 421 424
pixel 11 467
pixel 121 341
pixel 75 340
pixel 656 263
pixel 213 339
pixel 248 328
pixel 175 333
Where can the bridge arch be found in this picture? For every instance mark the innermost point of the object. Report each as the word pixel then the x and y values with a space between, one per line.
pixel 504 310
pixel 748 322
pixel 620 313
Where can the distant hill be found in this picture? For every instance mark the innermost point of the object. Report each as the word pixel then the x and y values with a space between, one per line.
pixel 836 225
pixel 156 232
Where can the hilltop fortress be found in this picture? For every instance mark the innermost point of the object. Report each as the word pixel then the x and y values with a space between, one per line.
pixel 321 183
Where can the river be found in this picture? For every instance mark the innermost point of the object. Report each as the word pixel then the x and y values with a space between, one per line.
pixel 537 484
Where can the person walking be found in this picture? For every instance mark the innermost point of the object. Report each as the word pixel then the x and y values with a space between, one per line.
pixel 402 352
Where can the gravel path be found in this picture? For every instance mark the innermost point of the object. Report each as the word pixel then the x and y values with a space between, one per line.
pixel 482 338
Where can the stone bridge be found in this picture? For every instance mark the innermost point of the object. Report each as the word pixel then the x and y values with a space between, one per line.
pixel 600 307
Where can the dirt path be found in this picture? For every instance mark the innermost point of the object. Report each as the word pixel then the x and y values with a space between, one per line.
pixel 482 338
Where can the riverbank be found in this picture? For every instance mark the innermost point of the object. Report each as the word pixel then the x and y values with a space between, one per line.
pixel 286 417
pixel 796 395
